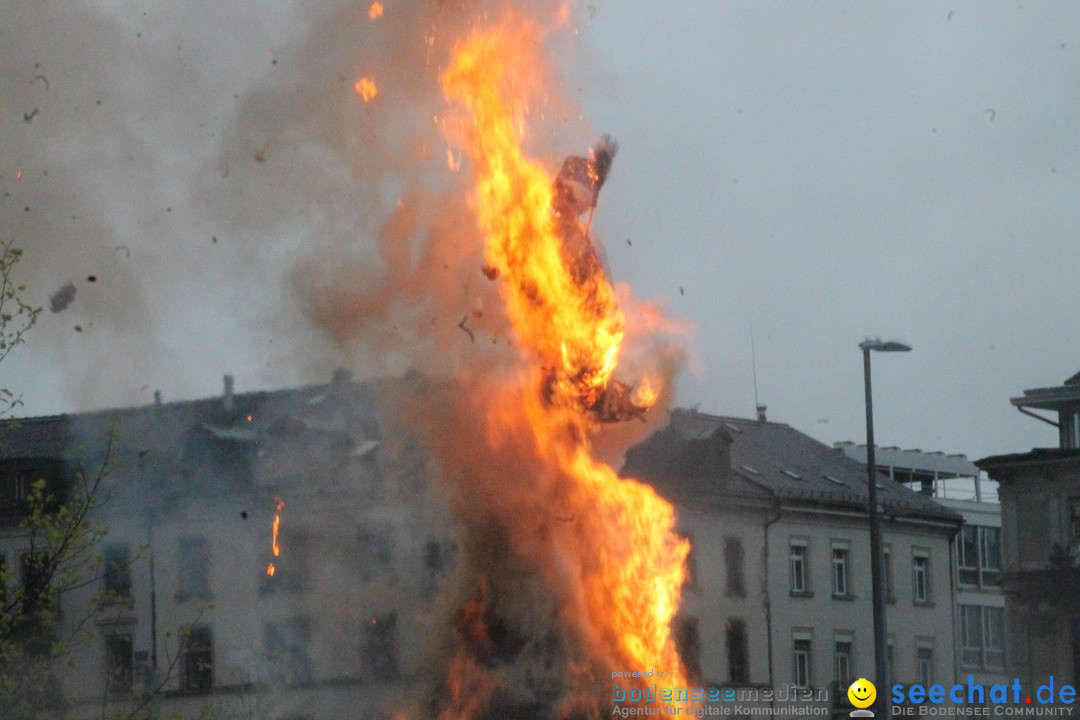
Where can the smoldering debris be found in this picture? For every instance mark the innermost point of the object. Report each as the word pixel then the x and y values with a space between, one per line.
pixel 59 300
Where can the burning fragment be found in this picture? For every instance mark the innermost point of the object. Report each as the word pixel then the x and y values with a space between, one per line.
pixel 63 297
pixel 365 87
pixel 576 189
pixel 375 11
pixel 279 506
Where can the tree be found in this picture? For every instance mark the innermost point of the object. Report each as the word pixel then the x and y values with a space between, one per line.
pixel 16 315
pixel 61 554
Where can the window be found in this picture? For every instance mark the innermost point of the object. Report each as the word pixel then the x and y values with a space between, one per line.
pixel 799 569
pixel 737 653
pixel 117 573
pixel 994 624
pixel 801 670
pixel 13 490
pixel 967 556
pixel 978 556
pixel 197 659
pixel 982 637
pixel 921 578
pixel 380 647
pixel 924 659
pixel 286 646
pixel 990 556
pixel 733 566
pixel 1032 538
pixel 290 566
pixel 688 644
pixel 840 571
pixel 843 653
pixel 194 569
pixel 35 582
pixel 438 555
pixel 119 669
pixel 691 580
pixel 1070 428
pixel 376 549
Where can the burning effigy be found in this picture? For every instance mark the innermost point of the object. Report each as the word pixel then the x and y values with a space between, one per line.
pixel 576 573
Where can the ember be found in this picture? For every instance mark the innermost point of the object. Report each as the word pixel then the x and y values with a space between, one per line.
pixel 365 87
pixel 279 506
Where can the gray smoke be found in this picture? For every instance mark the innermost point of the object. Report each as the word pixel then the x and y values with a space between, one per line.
pixel 239 206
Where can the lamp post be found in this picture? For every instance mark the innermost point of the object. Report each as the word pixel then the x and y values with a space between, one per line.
pixel 877 569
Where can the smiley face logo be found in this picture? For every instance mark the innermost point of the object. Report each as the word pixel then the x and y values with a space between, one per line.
pixel 862 693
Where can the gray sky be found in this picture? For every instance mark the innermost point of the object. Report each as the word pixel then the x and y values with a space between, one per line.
pixel 817 172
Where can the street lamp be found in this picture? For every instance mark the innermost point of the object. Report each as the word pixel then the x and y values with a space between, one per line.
pixel 877 569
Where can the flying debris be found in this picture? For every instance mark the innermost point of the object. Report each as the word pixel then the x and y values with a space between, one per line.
pixel 60 299
pixel 465 327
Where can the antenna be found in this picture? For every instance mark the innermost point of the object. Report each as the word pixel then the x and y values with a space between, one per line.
pixel 753 361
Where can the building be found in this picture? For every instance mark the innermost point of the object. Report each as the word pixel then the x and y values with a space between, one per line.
pixel 979 603
pixel 1040 508
pixel 320 483
pixel 286 555
pixel 781 593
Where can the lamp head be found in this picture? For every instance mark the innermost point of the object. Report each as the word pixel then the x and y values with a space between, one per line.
pixel 880 345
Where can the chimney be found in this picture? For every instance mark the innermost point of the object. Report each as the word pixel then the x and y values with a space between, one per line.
pixel 761 412
pixel 157 397
pixel 227 400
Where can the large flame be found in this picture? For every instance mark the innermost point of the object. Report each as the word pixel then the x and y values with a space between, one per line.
pixel 617 544
pixel 567 321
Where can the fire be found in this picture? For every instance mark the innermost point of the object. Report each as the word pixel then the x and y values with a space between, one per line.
pixel 279 505
pixel 375 11
pixel 365 87
pixel 644 394
pixel 556 294
pixel 616 542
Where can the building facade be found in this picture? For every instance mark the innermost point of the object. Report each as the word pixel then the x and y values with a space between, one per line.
pixel 1040 506
pixel 979 603
pixel 286 555
pixel 782 594
pixel 322 483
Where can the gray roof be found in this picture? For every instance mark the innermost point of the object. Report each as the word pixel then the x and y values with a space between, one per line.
pixel 344 408
pixel 1051 398
pixel 912 459
pixel 775 457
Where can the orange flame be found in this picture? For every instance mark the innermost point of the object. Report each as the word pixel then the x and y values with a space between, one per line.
pixel 375 11
pixel 630 563
pixel 365 87
pixel 279 505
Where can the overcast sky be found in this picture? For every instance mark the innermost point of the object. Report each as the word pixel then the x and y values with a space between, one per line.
pixel 814 173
